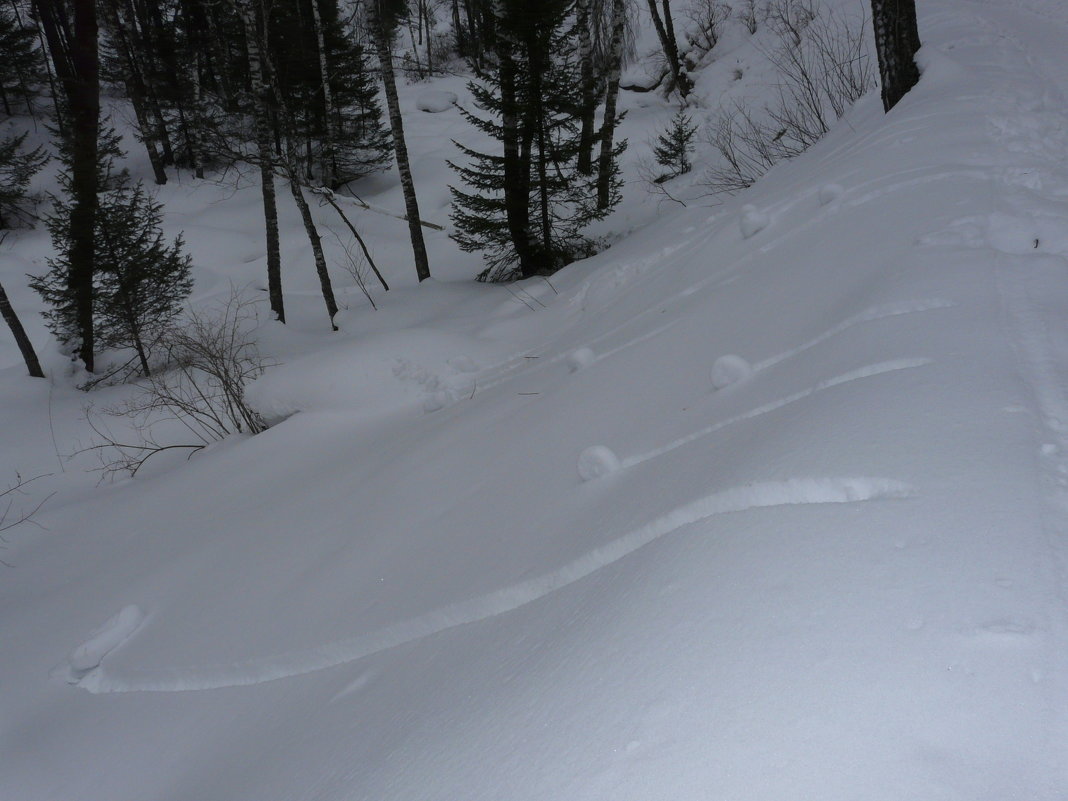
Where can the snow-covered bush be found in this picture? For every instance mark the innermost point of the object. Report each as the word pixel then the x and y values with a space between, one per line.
pixel 200 399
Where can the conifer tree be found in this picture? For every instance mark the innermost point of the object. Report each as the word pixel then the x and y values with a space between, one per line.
pixel 20 61
pixel 140 281
pixel 673 146
pixel 17 166
pixel 527 207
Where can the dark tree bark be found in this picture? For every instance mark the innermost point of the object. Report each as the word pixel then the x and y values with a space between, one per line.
pixel 897 39
pixel 516 154
pixel 265 155
pixel 23 341
pixel 400 149
pixel 665 31
pixel 75 56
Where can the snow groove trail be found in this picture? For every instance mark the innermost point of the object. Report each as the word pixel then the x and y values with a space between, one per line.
pixel 793 492
pixel 853 375
pixel 866 316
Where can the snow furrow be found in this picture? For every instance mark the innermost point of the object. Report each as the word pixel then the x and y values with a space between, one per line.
pixel 853 375
pixel 793 492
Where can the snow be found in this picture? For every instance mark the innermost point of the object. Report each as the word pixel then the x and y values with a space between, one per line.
pixel 580 358
pixel 730 369
pixel 435 101
pixel 842 578
pixel 596 461
pixel 752 221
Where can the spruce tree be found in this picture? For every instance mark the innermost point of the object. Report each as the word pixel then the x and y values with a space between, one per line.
pixel 17 166
pixel 140 281
pixel 20 62
pixel 673 146
pixel 527 207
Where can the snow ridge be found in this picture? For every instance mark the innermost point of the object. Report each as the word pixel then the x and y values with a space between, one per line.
pixel 792 492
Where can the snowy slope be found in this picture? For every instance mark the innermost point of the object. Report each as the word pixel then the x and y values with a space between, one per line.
pixel 841 576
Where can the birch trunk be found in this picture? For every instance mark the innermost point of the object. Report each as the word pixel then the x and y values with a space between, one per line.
pixel 396 124
pixel 329 166
pixel 608 125
pixel 897 39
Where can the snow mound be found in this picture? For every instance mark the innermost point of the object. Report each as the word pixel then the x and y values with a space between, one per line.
pixel 103 641
pixel 730 369
pixel 830 193
pixel 434 101
pixel 411 369
pixel 752 221
pixel 597 461
pixel 579 359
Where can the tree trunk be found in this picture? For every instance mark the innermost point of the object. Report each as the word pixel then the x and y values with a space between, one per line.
pixel 23 341
pixel 316 244
pixel 589 100
pixel 665 31
pixel 135 87
pixel 265 156
pixel 608 125
pixel 516 154
pixel 411 204
pixel 83 103
pixel 329 173
pixel 897 39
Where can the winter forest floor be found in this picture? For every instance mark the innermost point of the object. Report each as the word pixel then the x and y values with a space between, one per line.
pixel 844 575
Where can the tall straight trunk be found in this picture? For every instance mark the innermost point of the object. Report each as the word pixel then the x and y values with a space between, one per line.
pixel 135 86
pixel 400 149
pixel 265 155
pixel 897 38
pixel 458 30
pixel 315 241
pixel 516 151
pixel 589 100
pixel 665 31
pixel 82 90
pixel 608 125
pixel 29 355
pixel 329 162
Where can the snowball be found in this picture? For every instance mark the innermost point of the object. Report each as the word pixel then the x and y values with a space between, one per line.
pixel 434 101
pixel 730 369
pixel 752 221
pixel 580 358
pixel 597 461
pixel 830 193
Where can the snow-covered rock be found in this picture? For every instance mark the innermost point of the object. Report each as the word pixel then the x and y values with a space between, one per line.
pixel 730 369
pixel 597 461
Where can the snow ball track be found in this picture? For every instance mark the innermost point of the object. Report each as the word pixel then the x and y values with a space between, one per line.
pixel 793 492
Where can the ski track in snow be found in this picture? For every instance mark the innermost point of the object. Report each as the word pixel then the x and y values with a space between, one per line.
pixel 793 492
pixel 853 375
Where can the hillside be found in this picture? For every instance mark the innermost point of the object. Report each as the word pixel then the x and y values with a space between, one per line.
pixel 841 576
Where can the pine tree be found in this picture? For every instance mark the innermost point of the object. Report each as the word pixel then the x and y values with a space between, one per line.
pixel 526 208
pixel 140 281
pixel 20 61
pixel 17 166
pixel 673 146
